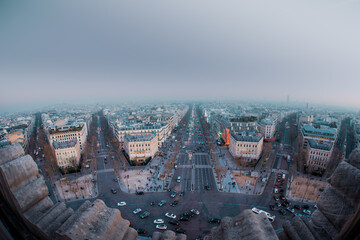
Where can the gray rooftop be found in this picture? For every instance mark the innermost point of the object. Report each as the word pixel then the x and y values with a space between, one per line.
pixel 66 144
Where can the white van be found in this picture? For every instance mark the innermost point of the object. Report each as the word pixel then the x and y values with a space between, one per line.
pixel 178 179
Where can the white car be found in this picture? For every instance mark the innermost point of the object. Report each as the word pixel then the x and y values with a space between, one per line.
pixel 136 211
pixel 195 211
pixel 121 204
pixel 159 221
pixel 170 215
pixel 161 226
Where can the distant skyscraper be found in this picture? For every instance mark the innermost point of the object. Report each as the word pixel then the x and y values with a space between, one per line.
pixel 287 99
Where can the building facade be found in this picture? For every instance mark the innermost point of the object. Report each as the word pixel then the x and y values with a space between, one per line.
pixel 67 153
pixel 267 128
pixel 68 132
pixel 141 147
pixel 247 147
pixel 160 129
pixel 318 155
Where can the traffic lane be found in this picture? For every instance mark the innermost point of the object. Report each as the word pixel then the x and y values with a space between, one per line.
pixel 209 203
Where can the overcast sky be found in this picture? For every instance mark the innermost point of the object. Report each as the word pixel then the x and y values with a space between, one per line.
pixel 79 51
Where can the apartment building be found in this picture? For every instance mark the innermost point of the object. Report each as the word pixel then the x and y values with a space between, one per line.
pixel 122 130
pixel 247 146
pixel 243 124
pixel 267 128
pixel 67 153
pixel 318 155
pixel 141 147
pixel 322 135
pixel 66 133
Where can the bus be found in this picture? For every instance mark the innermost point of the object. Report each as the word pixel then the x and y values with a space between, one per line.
pixel 269 216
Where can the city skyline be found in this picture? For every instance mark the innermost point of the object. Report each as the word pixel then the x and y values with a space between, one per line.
pixel 171 51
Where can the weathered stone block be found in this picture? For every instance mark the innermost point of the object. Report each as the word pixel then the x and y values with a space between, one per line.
pixel 346 179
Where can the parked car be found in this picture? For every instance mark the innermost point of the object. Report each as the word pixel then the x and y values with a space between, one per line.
pixel 113 190
pixel 188 214
pixel 276 198
pixel 214 220
pixel 307 212
pixel 207 187
pixel 174 203
pixel 161 226
pixel 297 207
pixel 136 211
pixel 170 215
pixel 181 193
pixel 121 204
pixel 174 222
pixel 282 212
pixel 140 231
pixel 145 214
pixel 184 218
pixel 139 193
pixel 195 211
pixel 159 221
pixel 290 209
pixel 278 204
pixel 179 230
pixel 272 207
pixel 161 203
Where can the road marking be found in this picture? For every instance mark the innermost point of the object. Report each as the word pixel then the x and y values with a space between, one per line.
pixel 106 170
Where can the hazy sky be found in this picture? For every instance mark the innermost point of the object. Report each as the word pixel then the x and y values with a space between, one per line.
pixel 72 50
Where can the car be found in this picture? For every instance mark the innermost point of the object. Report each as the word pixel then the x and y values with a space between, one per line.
pixel 159 221
pixel 307 212
pixel 195 211
pixel 276 190
pixel 297 207
pixel 179 230
pixel 145 214
pixel 161 203
pixel 278 204
pixel 116 180
pixel 207 187
pixel 282 212
pixel 181 193
pixel 113 190
pixel 276 198
pixel 161 226
pixel 214 220
pixel 174 222
pixel 188 214
pixel 290 209
pixel 184 218
pixel 170 215
pixel 136 211
pixel 173 194
pixel 315 206
pixel 174 203
pixel 139 193
pixel 121 204
pixel 272 207
pixel 282 197
pixel 298 214
pixel 140 231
